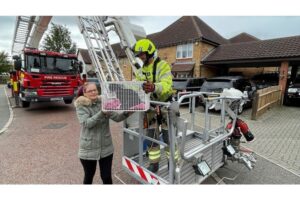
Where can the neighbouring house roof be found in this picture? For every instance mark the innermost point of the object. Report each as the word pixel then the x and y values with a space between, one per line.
pixel 243 37
pixel 186 29
pixel 182 67
pixel 288 47
pixel 243 48
pixel 85 56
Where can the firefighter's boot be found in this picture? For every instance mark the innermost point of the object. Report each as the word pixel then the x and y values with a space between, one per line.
pixel 153 167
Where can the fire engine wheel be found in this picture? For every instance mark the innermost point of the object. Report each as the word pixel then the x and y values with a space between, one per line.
pixel 68 101
pixel 25 104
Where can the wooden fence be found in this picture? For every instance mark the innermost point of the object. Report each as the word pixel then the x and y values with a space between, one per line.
pixel 265 99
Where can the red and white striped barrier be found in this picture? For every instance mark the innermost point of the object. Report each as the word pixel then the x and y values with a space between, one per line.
pixel 139 171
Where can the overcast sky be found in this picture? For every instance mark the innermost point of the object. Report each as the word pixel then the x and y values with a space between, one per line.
pixel 227 26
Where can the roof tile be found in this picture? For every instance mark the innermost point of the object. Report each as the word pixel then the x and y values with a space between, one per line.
pixel 243 37
pixel 274 48
pixel 186 29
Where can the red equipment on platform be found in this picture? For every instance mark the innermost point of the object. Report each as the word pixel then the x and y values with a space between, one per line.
pixel 241 126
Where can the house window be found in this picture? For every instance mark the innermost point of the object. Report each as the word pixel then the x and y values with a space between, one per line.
pixel 184 51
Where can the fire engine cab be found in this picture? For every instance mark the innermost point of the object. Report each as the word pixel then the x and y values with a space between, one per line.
pixel 46 76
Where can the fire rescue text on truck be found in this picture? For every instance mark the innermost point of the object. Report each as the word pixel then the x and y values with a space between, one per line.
pixel 45 76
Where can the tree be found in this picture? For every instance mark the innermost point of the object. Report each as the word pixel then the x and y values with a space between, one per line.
pixel 59 40
pixel 5 65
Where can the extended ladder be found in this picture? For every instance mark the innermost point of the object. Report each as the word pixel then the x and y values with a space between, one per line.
pixel 95 31
pixel 23 28
pixel 96 37
pixel 38 30
pixel 29 31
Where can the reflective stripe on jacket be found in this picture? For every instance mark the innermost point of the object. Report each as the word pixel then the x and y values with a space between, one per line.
pixel 163 79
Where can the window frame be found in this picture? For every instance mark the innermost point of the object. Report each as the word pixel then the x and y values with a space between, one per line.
pixel 180 49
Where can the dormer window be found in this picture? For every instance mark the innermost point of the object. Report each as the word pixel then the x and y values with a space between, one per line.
pixel 184 51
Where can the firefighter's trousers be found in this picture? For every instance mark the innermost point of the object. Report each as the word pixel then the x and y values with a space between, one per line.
pixel 154 132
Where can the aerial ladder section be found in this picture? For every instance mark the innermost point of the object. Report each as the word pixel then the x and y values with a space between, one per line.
pixel 95 30
pixel 38 30
pixel 29 31
pixel 22 31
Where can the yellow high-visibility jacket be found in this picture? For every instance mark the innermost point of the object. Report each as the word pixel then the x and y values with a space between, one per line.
pixel 163 79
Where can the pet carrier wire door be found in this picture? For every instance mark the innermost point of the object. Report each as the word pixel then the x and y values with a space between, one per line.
pixel 124 96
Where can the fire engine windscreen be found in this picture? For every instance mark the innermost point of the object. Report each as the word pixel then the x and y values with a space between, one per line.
pixel 49 65
pixel 124 96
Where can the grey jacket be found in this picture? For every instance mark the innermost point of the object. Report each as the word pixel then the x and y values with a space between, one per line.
pixel 95 137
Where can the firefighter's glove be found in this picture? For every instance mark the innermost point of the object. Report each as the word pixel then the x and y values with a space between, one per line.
pixel 148 87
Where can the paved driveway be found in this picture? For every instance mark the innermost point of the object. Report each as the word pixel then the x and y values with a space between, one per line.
pixel 40 146
pixel 277 135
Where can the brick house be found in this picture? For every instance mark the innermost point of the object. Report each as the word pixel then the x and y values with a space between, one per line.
pixel 181 48
pixel 194 49
pixel 184 43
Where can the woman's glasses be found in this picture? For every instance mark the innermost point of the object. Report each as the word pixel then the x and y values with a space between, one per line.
pixel 91 91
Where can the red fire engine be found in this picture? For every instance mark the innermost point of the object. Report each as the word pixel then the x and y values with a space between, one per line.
pixel 43 76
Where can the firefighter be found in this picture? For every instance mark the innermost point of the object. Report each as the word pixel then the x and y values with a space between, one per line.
pixel 11 78
pixel 158 82
pixel 15 86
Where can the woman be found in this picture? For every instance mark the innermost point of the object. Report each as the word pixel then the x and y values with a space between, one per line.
pixel 95 137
